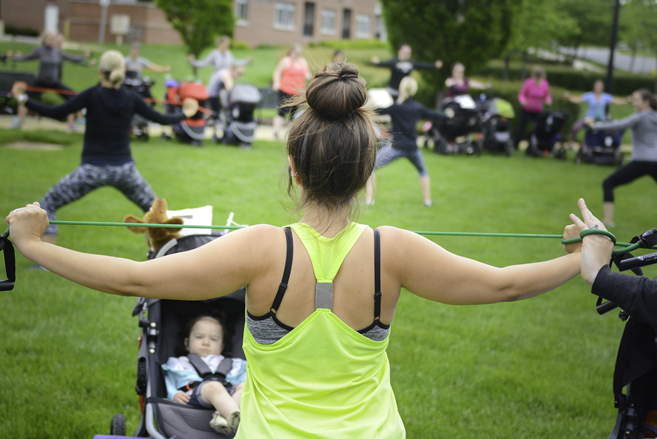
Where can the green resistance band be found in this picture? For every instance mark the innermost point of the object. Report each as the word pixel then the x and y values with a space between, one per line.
pixel 626 247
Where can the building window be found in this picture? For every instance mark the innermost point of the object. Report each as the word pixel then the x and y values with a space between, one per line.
pixel 328 21
pixel 363 26
pixel 284 16
pixel 242 11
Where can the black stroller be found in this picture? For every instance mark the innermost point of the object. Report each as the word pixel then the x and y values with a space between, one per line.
pixel 239 122
pixel 496 125
pixel 161 323
pixel 601 147
pixel 636 362
pixel 141 86
pixel 454 135
pixel 547 134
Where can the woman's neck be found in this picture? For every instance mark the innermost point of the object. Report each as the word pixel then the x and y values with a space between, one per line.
pixel 325 221
pixel 108 84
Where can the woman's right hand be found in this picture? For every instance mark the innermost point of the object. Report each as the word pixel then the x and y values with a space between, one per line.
pixel 181 397
pixel 27 223
pixel 596 249
pixel 375 60
pixel 191 58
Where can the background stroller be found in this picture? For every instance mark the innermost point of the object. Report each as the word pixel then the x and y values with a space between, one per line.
pixel 141 86
pixel 547 133
pixel 455 135
pixel 161 322
pixel 495 114
pixel 602 147
pixel 190 130
pixel 239 122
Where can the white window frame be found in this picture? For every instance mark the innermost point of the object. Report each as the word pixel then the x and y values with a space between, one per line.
pixel 361 21
pixel 328 14
pixel 241 6
pixel 284 10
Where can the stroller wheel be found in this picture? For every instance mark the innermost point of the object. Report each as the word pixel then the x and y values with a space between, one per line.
pixel 117 427
pixel 197 143
pixel 508 149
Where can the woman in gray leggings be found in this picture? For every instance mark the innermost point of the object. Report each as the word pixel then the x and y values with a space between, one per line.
pixel 643 124
pixel 106 156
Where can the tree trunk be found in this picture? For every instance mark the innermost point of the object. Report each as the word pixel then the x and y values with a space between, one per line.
pixel 523 72
pixel 655 76
pixel 507 61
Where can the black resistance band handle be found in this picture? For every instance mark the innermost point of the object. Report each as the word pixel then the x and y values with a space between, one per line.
pixel 10 262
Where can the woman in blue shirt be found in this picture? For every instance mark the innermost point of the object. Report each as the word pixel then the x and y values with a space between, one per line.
pixel 597 101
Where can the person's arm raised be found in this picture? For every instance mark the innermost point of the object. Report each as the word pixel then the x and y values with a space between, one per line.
pixel 429 271
pixel 212 270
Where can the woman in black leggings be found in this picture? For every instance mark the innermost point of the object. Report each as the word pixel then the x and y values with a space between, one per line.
pixel 106 155
pixel 643 124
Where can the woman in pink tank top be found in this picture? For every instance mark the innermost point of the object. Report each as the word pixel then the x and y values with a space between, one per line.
pixel 289 79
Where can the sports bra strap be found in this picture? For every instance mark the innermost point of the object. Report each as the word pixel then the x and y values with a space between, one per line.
pixel 286 272
pixel 377 275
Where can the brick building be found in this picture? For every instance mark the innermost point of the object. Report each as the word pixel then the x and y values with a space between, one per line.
pixel 258 21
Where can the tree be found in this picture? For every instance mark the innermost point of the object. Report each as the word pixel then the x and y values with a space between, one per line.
pixel 594 20
pixel 526 34
pixel 199 21
pixel 639 26
pixel 468 31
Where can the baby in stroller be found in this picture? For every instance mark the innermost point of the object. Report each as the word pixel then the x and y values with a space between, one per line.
pixel 222 381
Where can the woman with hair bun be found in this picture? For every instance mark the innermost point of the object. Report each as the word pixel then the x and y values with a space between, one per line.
pixel 321 293
pixel 106 156
pixel 643 125
pixel 405 113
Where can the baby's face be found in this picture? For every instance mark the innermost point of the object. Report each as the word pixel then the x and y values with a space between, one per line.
pixel 205 338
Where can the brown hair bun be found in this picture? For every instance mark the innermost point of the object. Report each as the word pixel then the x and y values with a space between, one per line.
pixel 337 91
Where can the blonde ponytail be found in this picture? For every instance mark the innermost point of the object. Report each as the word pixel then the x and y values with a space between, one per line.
pixel 407 89
pixel 112 63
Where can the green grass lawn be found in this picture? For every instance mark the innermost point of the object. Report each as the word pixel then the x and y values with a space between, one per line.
pixel 537 368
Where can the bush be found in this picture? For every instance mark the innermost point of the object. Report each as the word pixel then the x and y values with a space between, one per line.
pixel 25 31
pixel 351 44
pixel 623 84
pixel 239 45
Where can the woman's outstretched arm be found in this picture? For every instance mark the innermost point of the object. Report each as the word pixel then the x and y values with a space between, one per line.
pixel 212 270
pixel 429 271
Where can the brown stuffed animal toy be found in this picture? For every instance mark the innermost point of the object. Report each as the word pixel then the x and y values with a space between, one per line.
pixel 158 236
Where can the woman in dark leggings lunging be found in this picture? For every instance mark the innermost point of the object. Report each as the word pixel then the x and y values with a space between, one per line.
pixel 643 124
pixel 106 156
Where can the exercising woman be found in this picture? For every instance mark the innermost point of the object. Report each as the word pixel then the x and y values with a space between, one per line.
pixel 643 125
pixel 51 58
pixel 405 113
pixel 321 293
pixel 106 156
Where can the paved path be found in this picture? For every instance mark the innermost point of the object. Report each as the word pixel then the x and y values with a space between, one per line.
pixel 642 64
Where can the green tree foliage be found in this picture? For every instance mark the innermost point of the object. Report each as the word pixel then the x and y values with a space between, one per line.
pixel 468 31
pixel 594 20
pixel 199 21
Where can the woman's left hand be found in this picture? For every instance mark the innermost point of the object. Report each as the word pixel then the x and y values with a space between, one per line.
pixel 571 232
pixel 27 223
pixel 596 249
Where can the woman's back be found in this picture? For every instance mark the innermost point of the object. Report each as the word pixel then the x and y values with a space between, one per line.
pixel 324 378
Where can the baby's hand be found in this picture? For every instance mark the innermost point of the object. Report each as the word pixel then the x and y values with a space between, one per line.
pixel 181 397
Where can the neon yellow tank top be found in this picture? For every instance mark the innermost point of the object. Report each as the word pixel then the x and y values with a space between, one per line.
pixel 323 379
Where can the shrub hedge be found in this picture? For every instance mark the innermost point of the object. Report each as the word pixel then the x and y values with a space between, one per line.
pixel 561 76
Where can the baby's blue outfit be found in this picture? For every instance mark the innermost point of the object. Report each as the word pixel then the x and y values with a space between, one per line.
pixel 178 372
